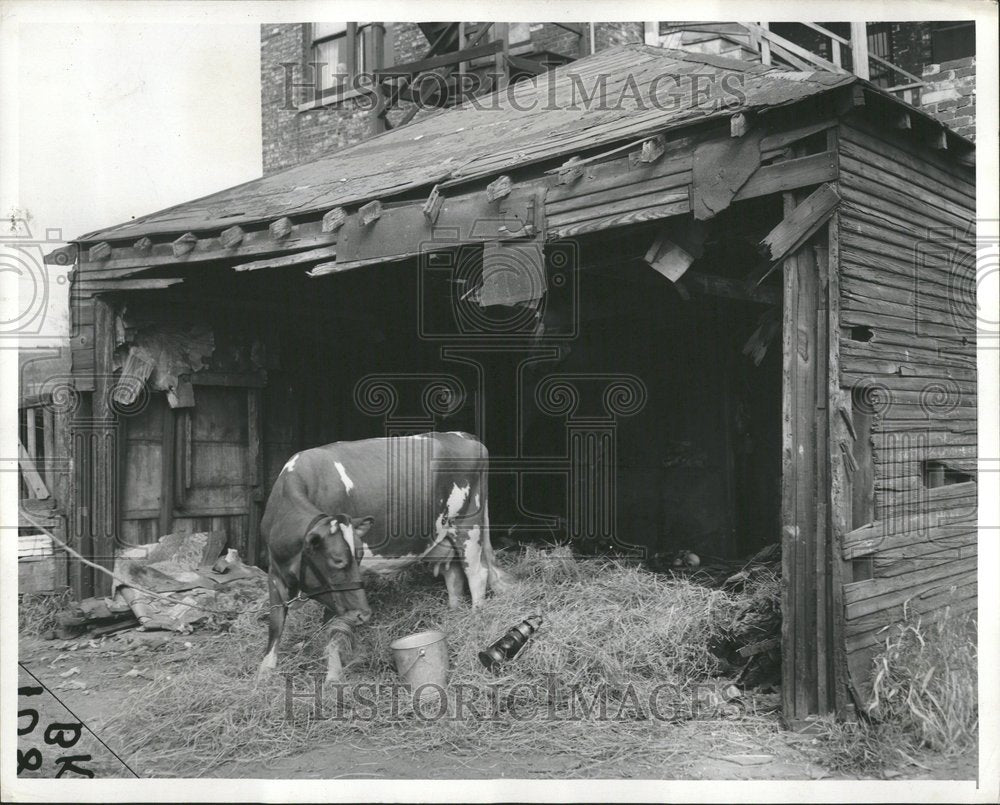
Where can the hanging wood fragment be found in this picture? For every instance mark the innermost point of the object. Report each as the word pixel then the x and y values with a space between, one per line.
pixel 719 169
pixel 800 224
pixel 653 149
pixel 513 273
pixel 668 258
pixel 570 170
pixel 498 189
pixel 299 258
pixel 135 373
pixel 432 207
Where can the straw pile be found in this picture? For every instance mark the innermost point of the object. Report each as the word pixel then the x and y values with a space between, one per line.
pixel 636 641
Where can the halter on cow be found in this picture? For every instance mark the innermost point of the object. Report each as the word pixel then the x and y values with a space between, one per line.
pixel 321 556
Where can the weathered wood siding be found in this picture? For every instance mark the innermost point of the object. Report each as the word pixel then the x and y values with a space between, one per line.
pixel 907 230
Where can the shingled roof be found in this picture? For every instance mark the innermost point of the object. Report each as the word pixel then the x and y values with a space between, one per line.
pixel 619 94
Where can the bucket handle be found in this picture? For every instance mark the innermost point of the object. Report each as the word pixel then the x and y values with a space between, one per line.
pixel 420 655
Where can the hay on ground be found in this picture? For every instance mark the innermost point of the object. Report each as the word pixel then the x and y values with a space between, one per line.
pixel 616 638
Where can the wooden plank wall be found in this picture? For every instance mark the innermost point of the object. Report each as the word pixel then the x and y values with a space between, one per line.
pixel 906 221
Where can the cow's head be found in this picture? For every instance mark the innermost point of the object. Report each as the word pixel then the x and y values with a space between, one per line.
pixel 330 547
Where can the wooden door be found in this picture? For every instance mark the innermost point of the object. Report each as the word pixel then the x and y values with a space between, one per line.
pixel 193 469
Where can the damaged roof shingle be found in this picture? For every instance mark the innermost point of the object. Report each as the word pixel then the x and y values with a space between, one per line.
pixel 623 93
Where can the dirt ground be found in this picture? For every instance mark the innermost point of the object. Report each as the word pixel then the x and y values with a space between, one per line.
pixel 93 677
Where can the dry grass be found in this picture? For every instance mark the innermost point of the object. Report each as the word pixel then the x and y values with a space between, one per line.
pixel 608 626
pixel 924 697
pixel 36 612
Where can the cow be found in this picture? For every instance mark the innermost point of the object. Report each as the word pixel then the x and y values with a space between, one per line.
pixel 375 505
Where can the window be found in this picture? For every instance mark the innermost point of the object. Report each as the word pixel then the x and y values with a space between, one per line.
pixel 939 473
pixel 341 51
pixel 954 40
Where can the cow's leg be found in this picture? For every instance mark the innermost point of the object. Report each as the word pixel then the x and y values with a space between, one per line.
pixel 499 580
pixel 278 598
pixel 339 642
pixel 455 582
pixel 476 570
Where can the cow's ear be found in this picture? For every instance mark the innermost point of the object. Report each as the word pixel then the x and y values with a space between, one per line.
pixel 361 526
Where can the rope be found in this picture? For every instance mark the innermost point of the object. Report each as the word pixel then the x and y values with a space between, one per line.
pixel 165 597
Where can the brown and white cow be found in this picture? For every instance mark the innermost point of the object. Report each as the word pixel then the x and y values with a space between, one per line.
pixel 375 505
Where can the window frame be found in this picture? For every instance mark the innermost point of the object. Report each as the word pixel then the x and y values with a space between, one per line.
pixel 353 34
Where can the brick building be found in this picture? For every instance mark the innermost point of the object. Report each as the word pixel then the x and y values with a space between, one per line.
pixel 312 102
pixel 302 118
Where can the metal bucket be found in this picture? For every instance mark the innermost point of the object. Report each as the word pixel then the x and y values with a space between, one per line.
pixel 421 659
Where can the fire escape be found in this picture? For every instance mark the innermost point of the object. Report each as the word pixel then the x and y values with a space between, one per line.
pixel 465 58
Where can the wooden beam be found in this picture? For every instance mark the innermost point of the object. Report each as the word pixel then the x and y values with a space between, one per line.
pixel 30 473
pixel 938 137
pixel 297 259
pixel 168 450
pixel 859 49
pixel 255 243
pixel 800 224
pixel 63 256
pixel 102 467
pixel 789 175
pixel 113 285
pixel 143 245
pixel 414 68
pixel 502 33
pixel 31 437
pixel 728 288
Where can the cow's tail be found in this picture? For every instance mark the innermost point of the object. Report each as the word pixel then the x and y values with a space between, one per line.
pixel 499 580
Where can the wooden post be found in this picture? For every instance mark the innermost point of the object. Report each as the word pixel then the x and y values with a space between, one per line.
pixel 805 483
pixel 31 437
pixel 49 452
pixel 103 454
pixel 840 489
pixel 765 46
pixel 167 456
pixel 461 64
pixel 255 473
pixel 350 50
pixel 501 31
pixel 859 49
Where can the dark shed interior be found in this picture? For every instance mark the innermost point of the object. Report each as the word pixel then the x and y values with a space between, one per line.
pixel 685 412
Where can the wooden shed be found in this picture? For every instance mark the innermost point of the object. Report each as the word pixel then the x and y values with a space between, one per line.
pixel 685 301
